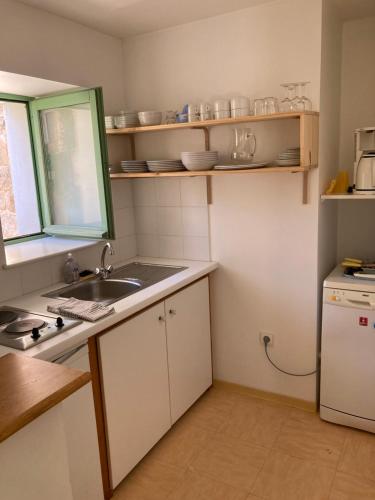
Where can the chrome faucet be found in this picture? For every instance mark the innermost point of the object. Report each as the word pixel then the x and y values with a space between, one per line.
pixel 104 271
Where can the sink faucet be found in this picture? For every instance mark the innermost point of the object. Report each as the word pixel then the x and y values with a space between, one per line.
pixel 104 271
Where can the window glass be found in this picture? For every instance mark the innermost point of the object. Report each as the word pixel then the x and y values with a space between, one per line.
pixel 70 162
pixel 19 211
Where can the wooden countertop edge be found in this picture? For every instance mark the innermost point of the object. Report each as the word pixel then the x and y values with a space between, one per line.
pixel 78 379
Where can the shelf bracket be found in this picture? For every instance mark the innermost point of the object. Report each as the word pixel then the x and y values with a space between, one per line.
pixel 209 189
pixel 206 131
pixel 132 146
pixel 305 187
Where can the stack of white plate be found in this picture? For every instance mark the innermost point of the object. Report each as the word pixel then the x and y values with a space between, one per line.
pixel 114 169
pixel 289 158
pixel 127 120
pixel 204 160
pixel 134 166
pixel 165 165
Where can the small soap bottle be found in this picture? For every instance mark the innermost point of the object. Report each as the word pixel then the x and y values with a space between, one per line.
pixel 71 269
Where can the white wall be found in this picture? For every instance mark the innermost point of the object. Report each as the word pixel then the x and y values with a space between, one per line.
pixel 35 43
pixel 264 238
pixel 356 228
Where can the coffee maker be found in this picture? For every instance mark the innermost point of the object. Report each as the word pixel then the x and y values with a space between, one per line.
pixel 364 163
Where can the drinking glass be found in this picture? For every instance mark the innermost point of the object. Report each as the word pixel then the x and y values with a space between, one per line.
pixel 259 107
pixel 271 105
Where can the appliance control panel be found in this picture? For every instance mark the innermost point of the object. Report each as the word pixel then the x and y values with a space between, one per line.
pixel 349 298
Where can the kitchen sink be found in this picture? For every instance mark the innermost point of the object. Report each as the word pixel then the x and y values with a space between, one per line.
pixel 149 274
pixel 123 282
pixel 104 291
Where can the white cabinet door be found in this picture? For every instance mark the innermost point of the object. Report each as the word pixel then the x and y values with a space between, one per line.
pixel 81 436
pixel 189 346
pixel 135 386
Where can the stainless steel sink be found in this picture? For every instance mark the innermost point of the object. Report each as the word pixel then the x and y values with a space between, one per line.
pixel 104 291
pixel 149 274
pixel 123 282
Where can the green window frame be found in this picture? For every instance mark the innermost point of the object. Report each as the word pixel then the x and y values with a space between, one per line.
pixel 94 98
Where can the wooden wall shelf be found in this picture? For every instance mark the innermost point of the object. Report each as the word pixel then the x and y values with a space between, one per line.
pixel 308 139
pixel 211 173
pixel 210 123
pixel 347 196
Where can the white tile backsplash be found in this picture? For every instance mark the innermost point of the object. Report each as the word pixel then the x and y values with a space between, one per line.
pixel 168 192
pixel 148 245
pixel 194 192
pixel 195 221
pixel 36 275
pixel 124 222
pixel 146 220
pixel 122 194
pixel 10 283
pixel 169 221
pixel 171 217
pixel 171 247
pixel 196 248
pixel 144 193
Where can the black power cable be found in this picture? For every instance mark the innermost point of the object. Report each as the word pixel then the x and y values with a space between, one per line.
pixel 266 341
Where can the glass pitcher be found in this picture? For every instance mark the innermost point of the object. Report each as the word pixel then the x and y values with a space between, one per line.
pixel 244 145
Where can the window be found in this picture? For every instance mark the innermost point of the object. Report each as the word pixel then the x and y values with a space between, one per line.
pixel 19 210
pixel 68 191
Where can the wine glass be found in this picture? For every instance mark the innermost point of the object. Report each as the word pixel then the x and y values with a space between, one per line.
pixel 291 102
pixel 305 102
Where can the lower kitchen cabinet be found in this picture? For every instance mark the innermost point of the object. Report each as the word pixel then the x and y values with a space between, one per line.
pixel 189 346
pixel 135 389
pixel 154 366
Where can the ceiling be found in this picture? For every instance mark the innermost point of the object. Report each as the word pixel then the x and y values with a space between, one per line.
pixel 124 18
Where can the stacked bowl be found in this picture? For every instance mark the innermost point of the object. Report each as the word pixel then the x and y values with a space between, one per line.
pixel 109 122
pixel 134 166
pixel 148 118
pixel 127 119
pixel 203 160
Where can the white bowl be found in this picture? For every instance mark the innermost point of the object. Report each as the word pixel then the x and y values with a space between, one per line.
pixel 203 160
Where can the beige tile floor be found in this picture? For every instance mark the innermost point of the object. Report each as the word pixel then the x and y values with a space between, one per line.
pixel 231 446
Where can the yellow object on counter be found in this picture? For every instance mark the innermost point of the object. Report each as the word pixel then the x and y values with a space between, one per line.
pixel 331 187
pixel 340 184
pixel 349 262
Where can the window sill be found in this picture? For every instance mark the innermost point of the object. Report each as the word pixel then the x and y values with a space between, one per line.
pixel 34 250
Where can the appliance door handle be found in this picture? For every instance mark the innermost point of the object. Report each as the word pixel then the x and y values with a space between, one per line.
pixel 64 357
pixel 362 303
pixel 373 171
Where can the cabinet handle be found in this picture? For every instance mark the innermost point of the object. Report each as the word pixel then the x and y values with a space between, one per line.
pixel 161 318
pixel 172 312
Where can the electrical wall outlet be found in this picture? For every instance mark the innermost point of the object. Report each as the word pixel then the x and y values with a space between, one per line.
pixel 266 334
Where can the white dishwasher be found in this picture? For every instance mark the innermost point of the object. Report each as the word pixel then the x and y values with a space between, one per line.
pixel 347 394
pixel 80 430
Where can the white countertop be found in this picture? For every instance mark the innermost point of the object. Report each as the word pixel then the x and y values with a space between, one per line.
pixel 336 279
pixel 34 302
